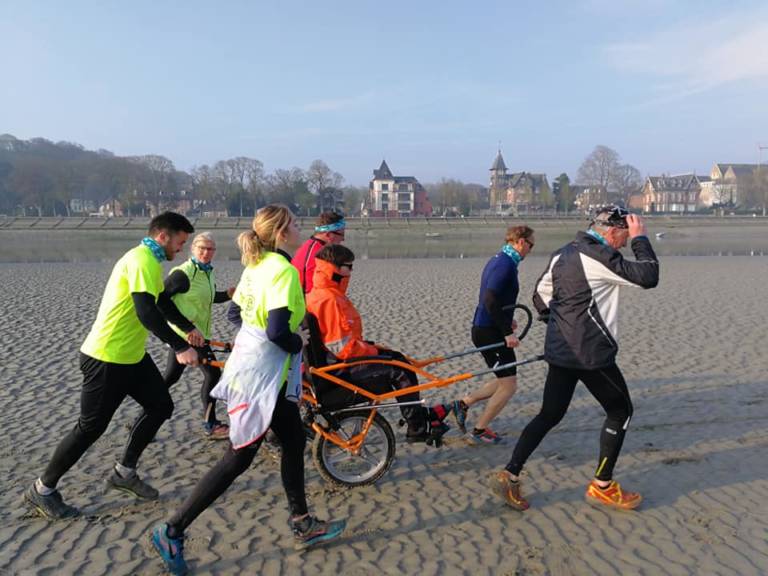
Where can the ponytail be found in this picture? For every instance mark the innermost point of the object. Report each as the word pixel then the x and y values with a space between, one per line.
pixel 266 227
pixel 251 249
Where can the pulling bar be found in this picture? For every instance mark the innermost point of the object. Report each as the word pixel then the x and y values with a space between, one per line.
pixel 536 358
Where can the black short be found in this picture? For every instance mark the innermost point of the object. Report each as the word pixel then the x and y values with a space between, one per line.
pixel 482 336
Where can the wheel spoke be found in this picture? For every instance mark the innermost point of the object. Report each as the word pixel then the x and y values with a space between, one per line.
pixel 350 468
pixel 370 458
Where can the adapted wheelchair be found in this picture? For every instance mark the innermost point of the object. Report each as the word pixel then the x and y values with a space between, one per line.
pixel 354 444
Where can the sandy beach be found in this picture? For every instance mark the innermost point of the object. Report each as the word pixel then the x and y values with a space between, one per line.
pixel 692 351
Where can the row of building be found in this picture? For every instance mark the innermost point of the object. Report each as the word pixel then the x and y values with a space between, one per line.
pixel 529 192
pixel 513 193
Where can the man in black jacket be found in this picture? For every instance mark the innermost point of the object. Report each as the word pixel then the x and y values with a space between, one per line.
pixel 578 295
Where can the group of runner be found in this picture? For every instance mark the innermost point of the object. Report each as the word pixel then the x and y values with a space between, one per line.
pixel 261 384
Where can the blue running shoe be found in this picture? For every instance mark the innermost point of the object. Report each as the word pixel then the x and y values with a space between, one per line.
pixel 171 550
pixel 310 531
pixel 460 410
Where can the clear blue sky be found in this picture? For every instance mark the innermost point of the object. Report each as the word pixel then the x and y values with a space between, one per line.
pixel 432 86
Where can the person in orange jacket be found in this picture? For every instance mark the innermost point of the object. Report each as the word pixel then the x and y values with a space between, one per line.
pixel 341 331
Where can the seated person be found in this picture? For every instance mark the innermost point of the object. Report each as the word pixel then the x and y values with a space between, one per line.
pixel 341 332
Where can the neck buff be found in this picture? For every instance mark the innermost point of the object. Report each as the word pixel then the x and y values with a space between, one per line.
pixel 340 225
pixel 512 253
pixel 157 250
pixel 597 236
pixel 200 266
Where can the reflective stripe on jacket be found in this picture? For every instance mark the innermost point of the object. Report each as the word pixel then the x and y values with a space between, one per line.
pixel 579 291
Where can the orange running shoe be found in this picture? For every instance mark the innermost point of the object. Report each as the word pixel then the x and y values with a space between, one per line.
pixel 508 490
pixel 613 496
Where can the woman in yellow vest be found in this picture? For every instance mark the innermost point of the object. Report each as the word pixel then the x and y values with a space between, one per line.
pixel 261 384
pixel 192 287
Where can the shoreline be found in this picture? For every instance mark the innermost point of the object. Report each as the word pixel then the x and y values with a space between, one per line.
pixel 374 223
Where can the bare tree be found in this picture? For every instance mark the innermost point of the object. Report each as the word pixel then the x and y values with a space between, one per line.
pixel 237 177
pixel 599 168
pixel 205 189
pixel 159 174
pixel 320 176
pixel 286 186
pixel 603 170
pixel 248 174
pixel 627 180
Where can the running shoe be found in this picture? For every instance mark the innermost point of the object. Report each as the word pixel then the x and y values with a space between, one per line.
pixel 310 531
pixel 171 550
pixel 487 436
pixel 508 490
pixel 216 430
pixel 51 506
pixel 612 496
pixel 460 410
pixel 132 485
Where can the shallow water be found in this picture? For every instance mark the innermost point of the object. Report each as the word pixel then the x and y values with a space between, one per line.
pixel 734 239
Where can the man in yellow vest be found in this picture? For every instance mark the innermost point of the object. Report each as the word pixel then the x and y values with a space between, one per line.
pixel 115 364
pixel 192 287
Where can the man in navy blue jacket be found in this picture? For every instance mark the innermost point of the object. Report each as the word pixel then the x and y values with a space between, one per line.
pixel 578 294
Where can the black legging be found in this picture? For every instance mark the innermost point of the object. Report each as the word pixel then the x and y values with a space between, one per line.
pixel 211 375
pixel 608 387
pixel 287 426
pixel 105 386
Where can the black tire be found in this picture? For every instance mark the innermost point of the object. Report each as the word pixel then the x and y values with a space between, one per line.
pixel 378 450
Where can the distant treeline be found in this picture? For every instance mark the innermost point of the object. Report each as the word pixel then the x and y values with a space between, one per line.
pixel 39 177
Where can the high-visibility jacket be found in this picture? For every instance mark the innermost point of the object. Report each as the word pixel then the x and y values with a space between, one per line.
pixel 195 304
pixel 341 328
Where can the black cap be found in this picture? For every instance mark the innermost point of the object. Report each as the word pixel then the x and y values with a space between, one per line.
pixel 611 215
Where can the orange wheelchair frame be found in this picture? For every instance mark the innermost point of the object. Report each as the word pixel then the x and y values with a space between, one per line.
pixel 342 448
pixel 355 445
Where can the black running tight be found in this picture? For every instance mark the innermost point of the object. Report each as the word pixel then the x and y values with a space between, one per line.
pixel 211 375
pixel 287 426
pixel 105 386
pixel 608 387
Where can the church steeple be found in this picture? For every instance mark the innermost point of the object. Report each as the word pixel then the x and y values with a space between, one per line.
pixel 498 164
pixel 498 184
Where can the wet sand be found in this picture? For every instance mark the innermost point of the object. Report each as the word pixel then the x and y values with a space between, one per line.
pixel 692 351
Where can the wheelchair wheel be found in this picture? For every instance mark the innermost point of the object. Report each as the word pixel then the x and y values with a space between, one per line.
pixel 339 466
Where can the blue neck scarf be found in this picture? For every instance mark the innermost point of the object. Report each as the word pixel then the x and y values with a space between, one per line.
pixel 200 266
pixel 157 250
pixel 597 236
pixel 512 253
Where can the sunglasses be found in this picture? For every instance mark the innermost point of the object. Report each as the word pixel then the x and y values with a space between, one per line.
pixel 530 244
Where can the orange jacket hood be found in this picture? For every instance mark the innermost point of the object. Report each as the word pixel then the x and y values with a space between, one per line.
pixel 328 276
pixel 341 328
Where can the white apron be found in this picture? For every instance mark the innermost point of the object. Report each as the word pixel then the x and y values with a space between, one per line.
pixel 251 382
